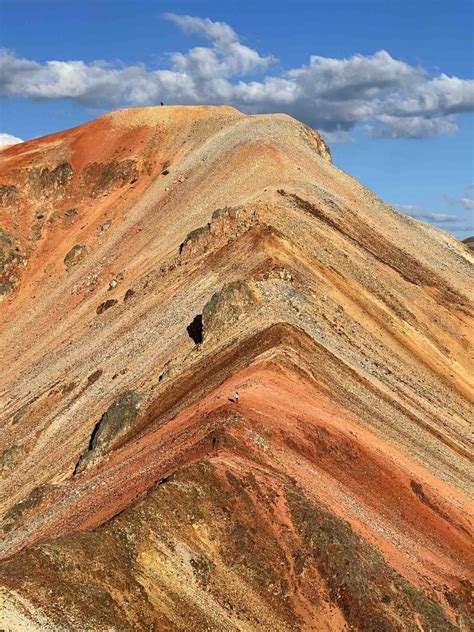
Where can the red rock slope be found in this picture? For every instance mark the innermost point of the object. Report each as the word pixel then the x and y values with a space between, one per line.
pixel 153 262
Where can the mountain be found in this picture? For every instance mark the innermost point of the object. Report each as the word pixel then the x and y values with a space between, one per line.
pixel 469 241
pixel 155 261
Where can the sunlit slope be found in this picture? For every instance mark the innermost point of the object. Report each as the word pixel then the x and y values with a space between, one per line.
pixel 156 260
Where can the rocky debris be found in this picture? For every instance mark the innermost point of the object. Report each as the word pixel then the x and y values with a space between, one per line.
pixel 106 305
pixel 335 495
pixel 93 377
pixel 9 197
pixel 7 248
pixel 6 287
pixel 16 513
pixel 11 262
pixel 228 305
pixel 19 414
pixel 114 424
pixel 9 459
pixel 101 178
pixel 316 141
pixel 103 228
pixel 349 224
pixel 226 225
pixel 349 566
pixel 116 280
pixel 240 298
pixel 45 182
pixel 70 217
pixel 75 256
pixel 36 229
pixel 90 283
pixel 240 512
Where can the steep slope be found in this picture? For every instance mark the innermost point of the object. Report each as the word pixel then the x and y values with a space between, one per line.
pixel 156 260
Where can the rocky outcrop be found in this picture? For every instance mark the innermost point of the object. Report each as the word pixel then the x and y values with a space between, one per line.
pixel 114 424
pixel 11 262
pixel 189 253
pixel 9 197
pixel 75 255
pixel 99 178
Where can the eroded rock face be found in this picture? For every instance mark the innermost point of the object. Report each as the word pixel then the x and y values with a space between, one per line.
pixel 99 178
pixel 9 196
pixel 239 511
pixel 46 182
pixel 163 259
pixel 114 423
pixel 11 262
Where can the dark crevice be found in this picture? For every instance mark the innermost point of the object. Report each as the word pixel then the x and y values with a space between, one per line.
pixel 195 329
pixel 76 467
pixel 91 445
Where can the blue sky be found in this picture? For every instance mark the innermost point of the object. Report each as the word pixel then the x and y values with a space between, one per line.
pixel 400 120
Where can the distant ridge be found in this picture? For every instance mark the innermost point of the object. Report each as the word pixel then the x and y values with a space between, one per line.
pixel 469 241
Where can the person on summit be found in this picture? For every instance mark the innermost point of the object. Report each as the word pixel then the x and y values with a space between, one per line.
pixel 236 397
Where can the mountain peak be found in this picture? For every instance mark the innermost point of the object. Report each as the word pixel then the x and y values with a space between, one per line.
pixel 155 262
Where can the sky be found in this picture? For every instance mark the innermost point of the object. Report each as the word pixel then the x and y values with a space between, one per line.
pixel 387 83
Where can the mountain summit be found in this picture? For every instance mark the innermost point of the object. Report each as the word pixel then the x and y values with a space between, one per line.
pixel 155 262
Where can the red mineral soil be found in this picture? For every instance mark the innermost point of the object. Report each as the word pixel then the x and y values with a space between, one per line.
pixel 152 263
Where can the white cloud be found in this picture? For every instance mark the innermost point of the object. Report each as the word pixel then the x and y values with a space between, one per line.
pixel 219 33
pixel 419 213
pixel 386 97
pixel 464 201
pixel 387 126
pixel 441 95
pixel 467 203
pixel 227 58
pixel 8 139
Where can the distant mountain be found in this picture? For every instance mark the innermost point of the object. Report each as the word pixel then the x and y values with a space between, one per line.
pixel 153 263
pixel 469 241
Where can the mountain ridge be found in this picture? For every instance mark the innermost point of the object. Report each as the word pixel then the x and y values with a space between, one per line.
pixel 293 274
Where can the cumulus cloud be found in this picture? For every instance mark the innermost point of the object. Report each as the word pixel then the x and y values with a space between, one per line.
pixel 441 95
pixel 388 126
pixel 9 139
pixel 384 96
pixel 227 57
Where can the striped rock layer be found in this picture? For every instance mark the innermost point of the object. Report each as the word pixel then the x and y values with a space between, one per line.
pixel 152 263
